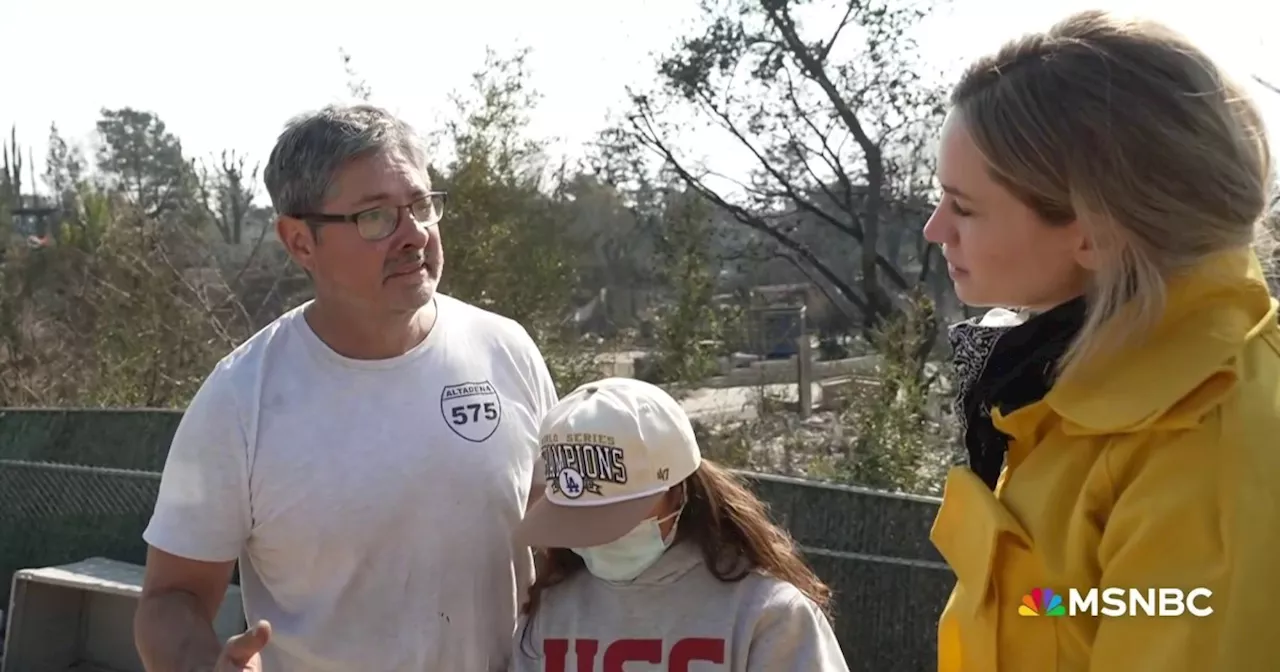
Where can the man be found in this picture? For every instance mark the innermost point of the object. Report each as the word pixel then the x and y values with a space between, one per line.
pixel 366 456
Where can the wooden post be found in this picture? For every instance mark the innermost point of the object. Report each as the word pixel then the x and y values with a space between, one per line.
pixel 804 376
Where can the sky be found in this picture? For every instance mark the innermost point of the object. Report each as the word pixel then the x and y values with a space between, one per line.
pixel 227 75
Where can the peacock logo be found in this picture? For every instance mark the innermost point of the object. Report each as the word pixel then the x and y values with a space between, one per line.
pixel 1042 602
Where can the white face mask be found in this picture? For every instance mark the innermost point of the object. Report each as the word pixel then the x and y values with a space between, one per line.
pixel 627 557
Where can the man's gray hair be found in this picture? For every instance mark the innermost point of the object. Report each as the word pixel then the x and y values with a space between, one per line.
pixel 316 145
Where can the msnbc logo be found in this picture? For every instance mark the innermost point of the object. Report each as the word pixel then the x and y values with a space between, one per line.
pixel 1041 602
pixel 1117 602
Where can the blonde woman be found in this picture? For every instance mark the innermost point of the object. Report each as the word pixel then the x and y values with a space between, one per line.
pixel 1103 188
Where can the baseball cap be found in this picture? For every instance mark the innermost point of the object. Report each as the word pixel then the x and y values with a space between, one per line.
pixel 611 449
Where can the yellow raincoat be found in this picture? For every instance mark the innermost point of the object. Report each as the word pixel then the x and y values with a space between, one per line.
pixel 1159 470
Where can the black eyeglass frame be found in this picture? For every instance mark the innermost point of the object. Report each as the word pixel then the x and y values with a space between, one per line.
pixel 317 219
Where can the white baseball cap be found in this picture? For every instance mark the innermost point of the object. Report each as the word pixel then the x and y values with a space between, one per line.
pixel 611 449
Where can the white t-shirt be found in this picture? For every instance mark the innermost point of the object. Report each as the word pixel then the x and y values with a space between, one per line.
pixel 370 503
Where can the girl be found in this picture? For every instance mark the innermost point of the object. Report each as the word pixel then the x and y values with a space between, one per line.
pixel 656 557
pixel 1106 180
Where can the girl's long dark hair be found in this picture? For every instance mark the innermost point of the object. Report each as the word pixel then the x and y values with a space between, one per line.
pixel 728 522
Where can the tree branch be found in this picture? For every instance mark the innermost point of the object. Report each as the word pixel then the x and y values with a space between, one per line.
pixel 649 138
pixel 1269 86
pixel 845 20
pixel 812 67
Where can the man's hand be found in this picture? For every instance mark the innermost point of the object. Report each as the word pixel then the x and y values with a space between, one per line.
pixel 241 653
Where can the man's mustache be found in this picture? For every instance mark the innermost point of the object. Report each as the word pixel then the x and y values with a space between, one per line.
pixel 405 264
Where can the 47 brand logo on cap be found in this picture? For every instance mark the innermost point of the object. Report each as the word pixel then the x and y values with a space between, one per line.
pixel 574 468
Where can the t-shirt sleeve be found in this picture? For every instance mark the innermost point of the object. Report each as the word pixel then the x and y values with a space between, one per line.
pixel 793 634
pixel 202 510
pixel 544 386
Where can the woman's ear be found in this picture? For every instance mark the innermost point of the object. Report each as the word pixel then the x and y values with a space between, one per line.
pixel 675 498
pixel 1089 246
pixel 1087 255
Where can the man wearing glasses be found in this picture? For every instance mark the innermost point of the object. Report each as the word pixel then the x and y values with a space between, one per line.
pixel 366 456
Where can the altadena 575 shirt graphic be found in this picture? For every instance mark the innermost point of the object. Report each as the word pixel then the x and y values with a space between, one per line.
pixel 1118 602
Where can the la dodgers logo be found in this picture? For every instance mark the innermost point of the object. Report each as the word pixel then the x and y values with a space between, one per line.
pixel 571 484
pixel 472 410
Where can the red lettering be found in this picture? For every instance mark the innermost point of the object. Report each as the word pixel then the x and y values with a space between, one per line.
pixel 557 652
pixel 700 649
pixel 683 653
pixel 585 651
pixel 625 651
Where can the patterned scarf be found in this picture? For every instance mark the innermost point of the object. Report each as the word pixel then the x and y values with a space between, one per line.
pixel 1005 367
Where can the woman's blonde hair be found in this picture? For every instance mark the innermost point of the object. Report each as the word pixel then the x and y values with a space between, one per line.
pixel 1130 129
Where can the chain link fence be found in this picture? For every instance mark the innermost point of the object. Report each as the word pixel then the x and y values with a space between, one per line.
pixel 871 547
pixel 51 514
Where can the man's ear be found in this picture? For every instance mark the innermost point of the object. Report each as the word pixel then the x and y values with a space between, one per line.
pixel 299 240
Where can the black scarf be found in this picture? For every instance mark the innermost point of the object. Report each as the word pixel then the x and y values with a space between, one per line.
pixel 1005 367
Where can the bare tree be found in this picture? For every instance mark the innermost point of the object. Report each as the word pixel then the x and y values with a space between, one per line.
pixel 839 126
pixel 226 194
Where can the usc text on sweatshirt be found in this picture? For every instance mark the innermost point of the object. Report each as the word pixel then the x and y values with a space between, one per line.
pixel 676 617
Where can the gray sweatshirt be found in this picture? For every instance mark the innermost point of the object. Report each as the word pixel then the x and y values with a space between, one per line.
pixel 677 617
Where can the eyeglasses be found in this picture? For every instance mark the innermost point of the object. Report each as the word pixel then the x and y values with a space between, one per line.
pixel 377 223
